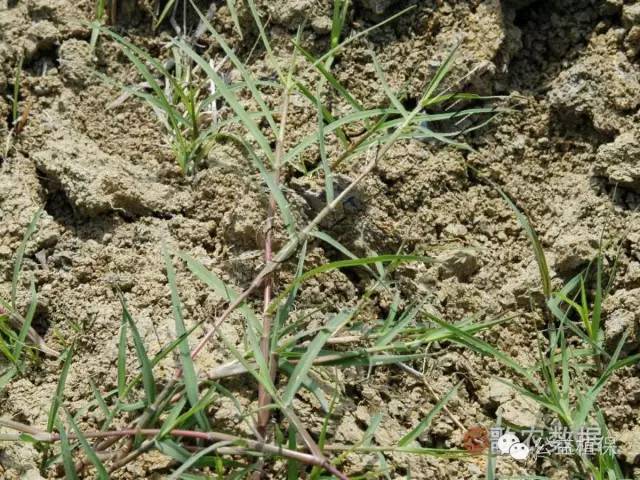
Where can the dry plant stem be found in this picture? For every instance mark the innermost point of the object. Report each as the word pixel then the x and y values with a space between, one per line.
pixel 264 399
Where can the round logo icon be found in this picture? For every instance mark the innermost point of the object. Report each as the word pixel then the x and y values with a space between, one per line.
pixel 506 441
pixel 519 451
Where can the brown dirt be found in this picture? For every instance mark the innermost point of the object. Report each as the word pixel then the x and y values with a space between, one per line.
pixel 112 195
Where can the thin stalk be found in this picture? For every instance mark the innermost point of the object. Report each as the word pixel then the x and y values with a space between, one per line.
pixel 264 399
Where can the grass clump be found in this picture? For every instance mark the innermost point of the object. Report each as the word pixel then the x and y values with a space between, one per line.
pixel 573 364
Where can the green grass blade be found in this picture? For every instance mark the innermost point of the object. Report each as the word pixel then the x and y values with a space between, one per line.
pixel 102 404
pixel 360 358
pixel 422 133
pixel 172 449
pixel 95 33
pixel 101 472
pixel 393 312
pixel 597 303
pixel 426 422
pixel 284 309
pixel 223 290
pixel 233 11
pixel 337 124
pixel 393 123
pixel 7 376
pixel 387 89
pixel 262 375
pixel 440 74
pixel 326 167
pixel 586 402
pixel 171 421
pixel 371 430
pixel 264 38
pixel 239 408
pixel 554 305
pixel 134 54
pixel 97 23
pixel 541 400
pixel 205 400
pixel 192 460
pixel 308 383
pixel 272 184
pixel 17 265
pixel 340 9
pixel 148 380
pixel 394 331
pixel 5 348
pixel 333 51
pixel 293 467
pixel 355 262
pixel 330 78
pixel 339 247
pixel 67 456
pixel 163 15
pixel 188 369
pixel 56 402
pixel 326 113
pixel 563 392
pixel 306 362
pixel 460 336
pixel 531 233
pixel 122 360
pixel 322 438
